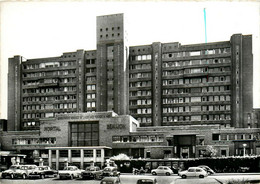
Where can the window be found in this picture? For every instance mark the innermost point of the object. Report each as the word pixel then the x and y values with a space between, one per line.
pixel 215 137
pixel 84 134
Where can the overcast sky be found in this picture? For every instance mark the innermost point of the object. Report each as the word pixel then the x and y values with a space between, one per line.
pixel 47 29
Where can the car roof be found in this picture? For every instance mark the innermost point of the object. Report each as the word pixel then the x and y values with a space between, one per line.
pixel 109 178
pixel 146 179
pixel 194 168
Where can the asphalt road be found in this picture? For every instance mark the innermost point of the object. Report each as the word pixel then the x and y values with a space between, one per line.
pixel 131 179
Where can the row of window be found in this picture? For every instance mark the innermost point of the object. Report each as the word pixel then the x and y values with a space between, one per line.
pixel 140 66
pixel 144 120
pixel 140 75
pixel 49 64
pixel 49 73
pixel 91 78
pixel 141 57
pixel 34 141
pixel 49 81
pixel 50 90
pixel 140 93
pixel 91 87
pixel 141 102
pixel 112 35
pixel 90 61
pixel 91 70
pixel 197 53
pixel 76 153
pixel 196 99
pixel 196 90
pixel 50 106
pixel 141 138
pixel 196 80
pixel 141 111
pixel 227 137
pixel 140 84
pixel 216 117
pixel 49 98
pixel 195 62
pixel 197 108
pixel 91 104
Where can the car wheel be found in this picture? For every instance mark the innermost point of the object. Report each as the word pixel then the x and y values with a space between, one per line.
pixel 12 176
pixel 24 176
pixel 167 174
pixel 184 176
pixel 201 176
pixel 154 173
pixel 42 176
pixel 3 177
pixel 72 177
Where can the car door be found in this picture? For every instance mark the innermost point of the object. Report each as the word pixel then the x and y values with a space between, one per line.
pixel 160 170
pixel 191 172
pixel 198 172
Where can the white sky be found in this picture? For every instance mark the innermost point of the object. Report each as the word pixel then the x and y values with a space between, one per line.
pixel 47 29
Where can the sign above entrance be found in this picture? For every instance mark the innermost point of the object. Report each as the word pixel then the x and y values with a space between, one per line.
pixel 52 128
pixel 116 126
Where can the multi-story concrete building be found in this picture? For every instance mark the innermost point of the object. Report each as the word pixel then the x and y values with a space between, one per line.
pixel 162 84
pixel 171 89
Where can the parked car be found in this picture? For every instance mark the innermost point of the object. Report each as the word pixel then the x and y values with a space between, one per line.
pixel 147 181
pixel 42 172
pixel 164 170
pixel 207 169
pixel 24 171
pixel 193 172
pixel 110 171
pixel 70 172
pixel 110 180
pixel 92 172
pixel 9 173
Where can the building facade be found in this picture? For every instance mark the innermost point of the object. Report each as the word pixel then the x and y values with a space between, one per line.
pixel 184 98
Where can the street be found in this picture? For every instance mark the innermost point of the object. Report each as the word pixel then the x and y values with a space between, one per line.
pixel 131 179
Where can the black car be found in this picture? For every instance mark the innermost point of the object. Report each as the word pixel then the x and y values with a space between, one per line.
pixel 42 172
pixel 92 172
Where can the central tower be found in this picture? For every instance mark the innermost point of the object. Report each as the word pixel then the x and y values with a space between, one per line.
pixel 112 64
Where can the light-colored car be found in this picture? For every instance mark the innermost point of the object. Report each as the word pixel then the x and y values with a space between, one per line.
pixel 9 173
pixel 24 171
pixel 193 172
pixel 110 180
pixel 163 170
pixel 70 172
pixel 147 181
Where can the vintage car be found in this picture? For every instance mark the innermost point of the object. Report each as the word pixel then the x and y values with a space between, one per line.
pixel 164 170
pixel 193 172
pixel 23 171
pixel 70 172
pixel 110 171
pixel 42 172
pixel 110 180
pixel 92 172
pixel 207 169
pixel 9 173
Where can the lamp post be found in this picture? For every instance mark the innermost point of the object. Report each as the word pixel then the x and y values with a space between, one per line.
pixel 244 146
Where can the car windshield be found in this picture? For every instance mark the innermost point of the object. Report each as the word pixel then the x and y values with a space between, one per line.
pixel 107 182
pixel 42 168
pixel 14 167
pixel 145 182
pixel 107 169
pixel 90 169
